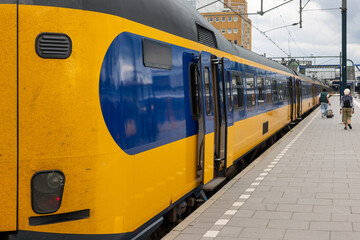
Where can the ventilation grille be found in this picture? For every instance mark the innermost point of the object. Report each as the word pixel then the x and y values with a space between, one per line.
pixel 53 45
pixel 206 37
pixel 265 127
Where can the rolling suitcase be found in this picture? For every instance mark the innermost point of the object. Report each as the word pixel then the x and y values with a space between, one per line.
pixel 329 113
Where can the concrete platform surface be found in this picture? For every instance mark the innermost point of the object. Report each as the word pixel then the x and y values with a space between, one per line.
pixel 306 186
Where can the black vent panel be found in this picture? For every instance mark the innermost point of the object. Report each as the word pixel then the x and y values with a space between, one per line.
pixel 265 127
pixel 53 45
pixel 206 37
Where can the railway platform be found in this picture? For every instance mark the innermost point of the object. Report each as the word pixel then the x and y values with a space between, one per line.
pixel 306 186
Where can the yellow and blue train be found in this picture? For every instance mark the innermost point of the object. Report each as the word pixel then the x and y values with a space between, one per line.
pixel 115 112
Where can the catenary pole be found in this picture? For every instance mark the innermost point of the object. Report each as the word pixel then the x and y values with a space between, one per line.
pixel 343 65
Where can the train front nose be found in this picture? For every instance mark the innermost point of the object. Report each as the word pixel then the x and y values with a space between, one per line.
pixel 8 117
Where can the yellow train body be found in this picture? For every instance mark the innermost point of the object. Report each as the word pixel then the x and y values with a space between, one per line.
pixel 54 121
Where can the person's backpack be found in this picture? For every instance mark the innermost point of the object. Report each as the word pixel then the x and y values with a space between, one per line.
pixel 347 102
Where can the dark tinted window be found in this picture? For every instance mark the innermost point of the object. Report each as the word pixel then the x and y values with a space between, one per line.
pixel 260 89
pixel 274 91
pixel 207 91
pixel 250 90
pixel 194 91
pixel 286 89
pixel 157 55
pixel 238 90
pixel 280 84
pixel 228 90
pixel 268 90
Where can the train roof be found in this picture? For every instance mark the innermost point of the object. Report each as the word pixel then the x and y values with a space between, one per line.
pixel 173 16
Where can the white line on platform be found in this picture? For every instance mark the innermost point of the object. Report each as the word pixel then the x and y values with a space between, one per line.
pixel 244 196
pixel 238 204
pixel 211 234
pixel 250 190
pixel 230 212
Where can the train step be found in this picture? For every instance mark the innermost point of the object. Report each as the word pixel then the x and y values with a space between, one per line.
pixel 210 186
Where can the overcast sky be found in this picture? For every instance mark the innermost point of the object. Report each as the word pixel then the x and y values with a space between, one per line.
pixel 320 34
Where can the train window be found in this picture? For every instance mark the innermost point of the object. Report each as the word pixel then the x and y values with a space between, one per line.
pixel 157 55
pixel 194 91
pixel 280 90
pixel 228 91
pixel 274 91
pixel 250 90
pixel 268 90
pixel 286 89
pixel 238 90
pixel 207 91
pixel 260 89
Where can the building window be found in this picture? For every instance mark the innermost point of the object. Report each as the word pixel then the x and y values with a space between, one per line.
pixel 229 19
pixel 223 19
pixel 210 19
pixel 235 30
pixel 216 19
pixel 223 30
pixel 235 42
pixel 235 19
pixel 229 30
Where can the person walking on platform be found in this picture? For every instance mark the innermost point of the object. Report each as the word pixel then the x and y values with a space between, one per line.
pixel 324 101
pixel 347 108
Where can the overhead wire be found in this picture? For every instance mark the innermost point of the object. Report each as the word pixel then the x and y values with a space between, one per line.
pixel 291 34
pixel 246 20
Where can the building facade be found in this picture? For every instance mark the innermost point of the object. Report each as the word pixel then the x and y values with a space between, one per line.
pixel 230 22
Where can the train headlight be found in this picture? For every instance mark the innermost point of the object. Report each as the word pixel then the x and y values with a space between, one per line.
pixel 46 191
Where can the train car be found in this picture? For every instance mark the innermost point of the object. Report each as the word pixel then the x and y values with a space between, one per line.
pixel 118 112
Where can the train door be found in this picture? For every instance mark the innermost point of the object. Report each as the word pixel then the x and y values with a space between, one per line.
pixel 313 96
pixel 291 95
pixel 219 69
pixel 298 98
pixel 8 117
pixel 229 111
pixel 208 128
